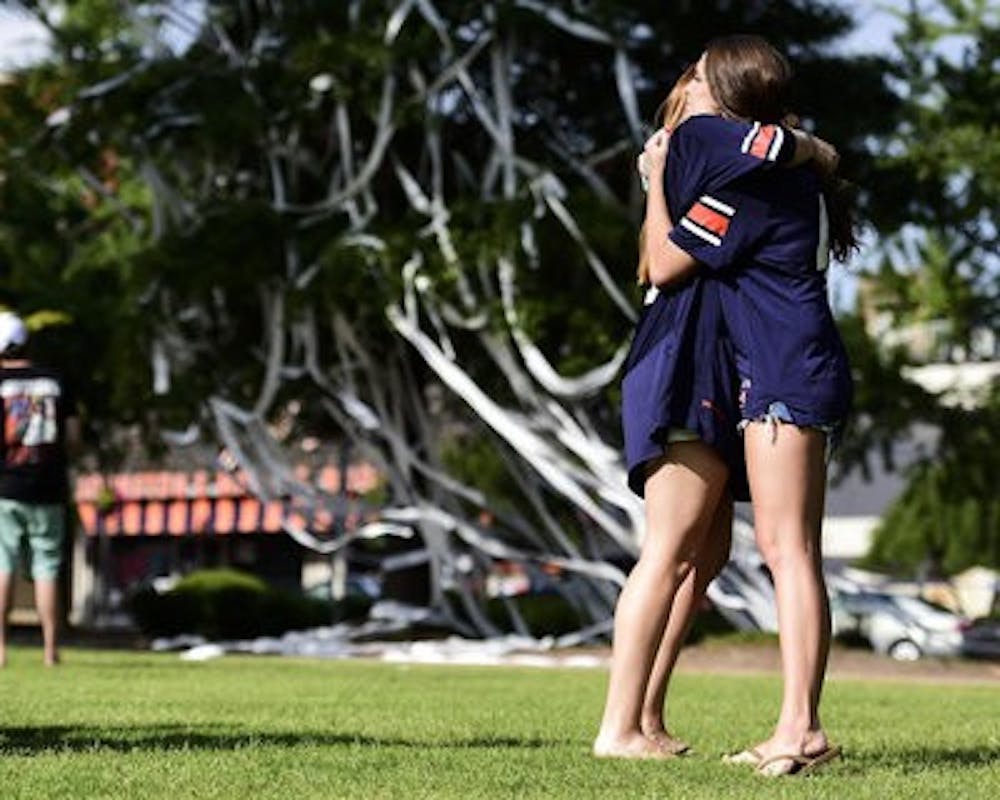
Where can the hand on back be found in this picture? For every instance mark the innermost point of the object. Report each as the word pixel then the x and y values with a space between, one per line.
pixel 653 158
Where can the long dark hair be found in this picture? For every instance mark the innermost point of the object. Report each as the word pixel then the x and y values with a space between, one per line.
pixel 749 79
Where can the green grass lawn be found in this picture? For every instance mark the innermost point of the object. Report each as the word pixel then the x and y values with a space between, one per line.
pixel 119 724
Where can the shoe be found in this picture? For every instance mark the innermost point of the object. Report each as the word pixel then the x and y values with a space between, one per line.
pixel 801 764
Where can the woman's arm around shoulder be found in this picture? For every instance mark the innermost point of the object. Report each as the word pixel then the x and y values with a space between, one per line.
pixel 667 262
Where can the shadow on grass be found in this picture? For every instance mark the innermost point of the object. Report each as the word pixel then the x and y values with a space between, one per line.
pixel 910 759
pixel 45 739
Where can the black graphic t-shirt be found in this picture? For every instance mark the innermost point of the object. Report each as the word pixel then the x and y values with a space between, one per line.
pixel 35 405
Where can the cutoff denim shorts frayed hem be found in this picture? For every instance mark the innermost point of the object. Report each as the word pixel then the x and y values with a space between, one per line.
pixel 779 414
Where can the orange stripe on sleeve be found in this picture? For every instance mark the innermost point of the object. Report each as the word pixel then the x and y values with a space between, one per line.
pixel 709 219
pixel 762 141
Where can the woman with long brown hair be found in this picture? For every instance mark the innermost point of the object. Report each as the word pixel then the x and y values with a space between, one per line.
pixel 766 244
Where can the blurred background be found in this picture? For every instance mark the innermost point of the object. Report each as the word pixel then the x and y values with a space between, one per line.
pixel 344 289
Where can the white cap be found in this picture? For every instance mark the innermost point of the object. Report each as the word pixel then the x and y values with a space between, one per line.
pixel 13 332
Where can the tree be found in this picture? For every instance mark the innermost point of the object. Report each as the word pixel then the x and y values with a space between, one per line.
pixel 949 506
pixel 948 140
pixel 410 225
pixel 941 268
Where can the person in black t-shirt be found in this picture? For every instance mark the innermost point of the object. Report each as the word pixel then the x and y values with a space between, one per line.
pixel 37 422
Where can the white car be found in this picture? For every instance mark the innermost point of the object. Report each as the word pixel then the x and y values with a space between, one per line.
pixel 905 628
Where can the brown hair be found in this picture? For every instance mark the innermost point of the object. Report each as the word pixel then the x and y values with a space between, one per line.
pixel 671 110
pixel 668 115
pixel 749 80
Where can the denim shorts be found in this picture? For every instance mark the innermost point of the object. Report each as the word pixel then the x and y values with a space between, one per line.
pixel 778 413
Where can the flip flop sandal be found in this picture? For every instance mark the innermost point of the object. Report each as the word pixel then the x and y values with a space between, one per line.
pixel 750 757
pixel 802 765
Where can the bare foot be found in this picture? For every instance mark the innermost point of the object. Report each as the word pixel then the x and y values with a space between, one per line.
pixel 750 757
pixel 633 746
pixel 52 660
pixel 671 744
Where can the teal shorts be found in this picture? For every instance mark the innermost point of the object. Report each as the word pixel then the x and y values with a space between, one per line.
pixel 36 529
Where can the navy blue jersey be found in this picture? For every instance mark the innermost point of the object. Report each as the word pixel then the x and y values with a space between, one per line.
pixel 707 152
pixel 681 368
pixel 680 373
pixel 764 239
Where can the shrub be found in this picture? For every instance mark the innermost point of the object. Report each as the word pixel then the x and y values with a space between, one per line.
pixel 225 604
pixel 708 623
pixel 544 614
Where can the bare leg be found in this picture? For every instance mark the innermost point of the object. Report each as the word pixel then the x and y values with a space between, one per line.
pixel 710 560
pixel 6 589
pixel 826 627
pixel 682 491
pixel 47 603
pixel 787 481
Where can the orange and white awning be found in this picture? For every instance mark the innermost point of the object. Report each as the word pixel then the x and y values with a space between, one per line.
pixel 207 503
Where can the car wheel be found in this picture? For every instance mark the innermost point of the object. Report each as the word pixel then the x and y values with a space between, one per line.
pixel 905 650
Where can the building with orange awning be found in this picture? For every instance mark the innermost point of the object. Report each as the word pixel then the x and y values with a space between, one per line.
pixel 143 527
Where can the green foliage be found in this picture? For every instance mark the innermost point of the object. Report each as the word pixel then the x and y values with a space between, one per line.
pixel 887 403
pixel 46 318
pixel 159 198
pixel 940 272
pixel 225 604
pixel 949 140
pixel 710 624
pixel 936 292
pixel 950 507
pixel 151 208
pixel 544 614
pixel 474 458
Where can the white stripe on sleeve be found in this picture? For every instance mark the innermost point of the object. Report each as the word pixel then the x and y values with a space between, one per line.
pixel 748 139
pixel 711 238
pixel 718 205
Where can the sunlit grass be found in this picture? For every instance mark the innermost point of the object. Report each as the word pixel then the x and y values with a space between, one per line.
pixel 114 724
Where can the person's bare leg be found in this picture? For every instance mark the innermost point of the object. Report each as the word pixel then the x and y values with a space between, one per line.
pixel 6 589
pixel 826 629
pixel 709 561
pixel 787 482
pixel 47 604
pixel 682 491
